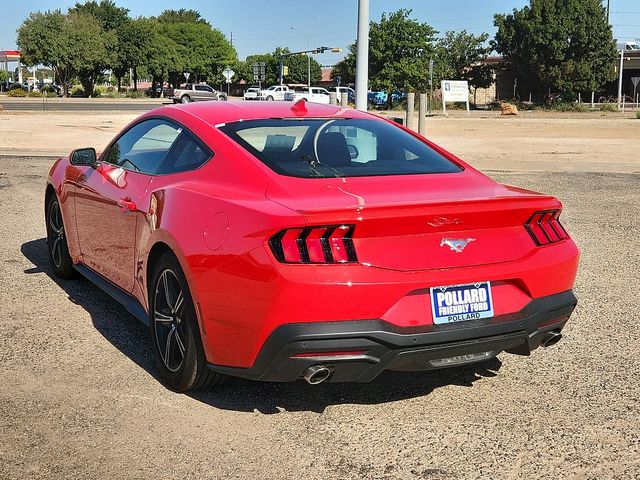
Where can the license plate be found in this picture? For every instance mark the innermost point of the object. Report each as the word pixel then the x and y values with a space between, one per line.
pixel 458 303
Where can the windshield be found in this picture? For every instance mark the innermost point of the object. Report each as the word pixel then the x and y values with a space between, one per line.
pixel 319 148
pixel 272 88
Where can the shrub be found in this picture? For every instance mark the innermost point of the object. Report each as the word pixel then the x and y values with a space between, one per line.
pixel 638 114
pixel 608 107
pixel 568 107
pixel 135 94
pixel 16 92
pixel 77 91
pixel 49 90
pixel 34 94
pixel 15 86
pixel 112 94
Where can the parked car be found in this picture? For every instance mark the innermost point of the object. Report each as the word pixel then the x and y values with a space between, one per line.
pixel 252 93
pixel 628 46
pixel 309 94
pixel 380 99
pixel 275 92
pixel 279 241
pixel 351 93
pixel 192 92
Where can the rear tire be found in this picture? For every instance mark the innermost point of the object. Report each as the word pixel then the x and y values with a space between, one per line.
pixel 269 98
pixel 185 99
pixel 57 247
pixel 222 97
pixel 174 330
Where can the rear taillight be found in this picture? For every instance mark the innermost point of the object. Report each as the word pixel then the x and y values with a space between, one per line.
pixel 545 227
pixel 326 244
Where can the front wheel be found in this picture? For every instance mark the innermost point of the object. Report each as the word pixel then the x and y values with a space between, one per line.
pixel 185 99
pixel 269 98
pixel 57 240
pixel 174 330
pixel 222 97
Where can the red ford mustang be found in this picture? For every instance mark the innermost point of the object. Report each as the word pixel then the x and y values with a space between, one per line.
pixel 278 241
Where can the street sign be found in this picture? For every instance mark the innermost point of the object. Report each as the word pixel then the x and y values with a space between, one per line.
pixel 228 74
pixel 259 71
pixel 635 81
pixel 186 76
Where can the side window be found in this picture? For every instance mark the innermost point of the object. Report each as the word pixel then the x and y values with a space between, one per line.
pixel 156 146
pixel 204 88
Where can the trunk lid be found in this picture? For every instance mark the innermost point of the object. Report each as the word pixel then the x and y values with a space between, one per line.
pixel 419 222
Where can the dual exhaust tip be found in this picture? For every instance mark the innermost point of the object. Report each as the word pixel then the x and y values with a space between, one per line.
pixel 551 338
pixel 317 374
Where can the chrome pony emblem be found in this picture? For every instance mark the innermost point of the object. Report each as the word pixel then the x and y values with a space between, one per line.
pixel 456 244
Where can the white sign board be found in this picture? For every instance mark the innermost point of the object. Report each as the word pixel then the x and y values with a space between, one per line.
pixel 454 91
pixel 228 74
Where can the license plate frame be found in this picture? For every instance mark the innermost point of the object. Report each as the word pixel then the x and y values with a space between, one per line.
pixel 462 303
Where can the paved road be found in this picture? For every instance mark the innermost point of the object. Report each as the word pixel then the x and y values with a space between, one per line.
pixel 78 105
pixel 80 397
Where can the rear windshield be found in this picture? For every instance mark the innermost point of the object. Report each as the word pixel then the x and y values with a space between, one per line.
pixel 336 148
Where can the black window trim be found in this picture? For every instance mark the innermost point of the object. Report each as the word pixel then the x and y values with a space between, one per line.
pixel 174 123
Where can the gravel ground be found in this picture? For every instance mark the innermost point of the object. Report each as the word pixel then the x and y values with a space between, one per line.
pixel 80 397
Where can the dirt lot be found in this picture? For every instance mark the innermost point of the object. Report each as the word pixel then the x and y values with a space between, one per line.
pixel 80 398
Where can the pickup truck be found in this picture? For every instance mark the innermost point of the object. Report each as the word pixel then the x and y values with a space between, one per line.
pixel 309 94
pixel 351 93
pixel 275 92
pixel 192 92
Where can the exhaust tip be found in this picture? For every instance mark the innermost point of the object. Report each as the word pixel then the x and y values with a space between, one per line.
pixel 550 339
pixel 316 374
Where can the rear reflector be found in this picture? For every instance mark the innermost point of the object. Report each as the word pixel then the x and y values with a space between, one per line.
pixel 326 244
pixel 350 353
pixel 545 228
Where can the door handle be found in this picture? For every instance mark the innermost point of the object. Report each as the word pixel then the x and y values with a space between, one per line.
pixel 127 205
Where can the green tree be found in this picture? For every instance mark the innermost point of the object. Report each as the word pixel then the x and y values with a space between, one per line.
pixel 106 12
pixel 4 76
pixel 399 52
pixel 182 16
pixel 204 51
pixel 90 47
pixel 42 39
pixel 114 21
pixel 298 67
pixel 564 46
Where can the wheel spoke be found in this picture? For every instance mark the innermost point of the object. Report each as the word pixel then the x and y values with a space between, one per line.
pixel 179 343
pixel 161 317
pixel 179 302
pixel 56 250
pixel 167 347
pixel 165 283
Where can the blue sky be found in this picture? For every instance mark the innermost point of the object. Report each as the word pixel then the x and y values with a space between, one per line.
pixel 259 26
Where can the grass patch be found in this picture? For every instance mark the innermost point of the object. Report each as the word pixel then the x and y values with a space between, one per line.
pixel 608 107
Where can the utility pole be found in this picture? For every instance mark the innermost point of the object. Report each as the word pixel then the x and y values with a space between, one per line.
pixel 620 79
pixel 608 10
pixel 362 55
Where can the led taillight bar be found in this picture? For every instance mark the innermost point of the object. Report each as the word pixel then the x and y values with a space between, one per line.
pixel 325 244
pixel 545 227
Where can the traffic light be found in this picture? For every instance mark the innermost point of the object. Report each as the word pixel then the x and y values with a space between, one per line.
pixel 285 70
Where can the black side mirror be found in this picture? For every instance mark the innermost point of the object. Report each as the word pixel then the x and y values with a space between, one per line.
pixel 84 156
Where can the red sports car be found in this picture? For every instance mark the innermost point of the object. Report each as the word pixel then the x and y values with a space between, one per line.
pixel 278 241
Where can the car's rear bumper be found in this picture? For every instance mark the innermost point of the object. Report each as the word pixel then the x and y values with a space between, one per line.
pixel 358 351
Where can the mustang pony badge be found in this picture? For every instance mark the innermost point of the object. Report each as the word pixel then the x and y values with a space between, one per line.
pixel 456 244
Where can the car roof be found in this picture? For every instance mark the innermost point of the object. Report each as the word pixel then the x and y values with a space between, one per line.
pixel 223 112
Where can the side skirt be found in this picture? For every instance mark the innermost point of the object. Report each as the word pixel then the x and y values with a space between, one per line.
pixel 133 306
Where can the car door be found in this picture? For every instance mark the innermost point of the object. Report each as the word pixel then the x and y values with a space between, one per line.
pixel 204 92
pixel 111 198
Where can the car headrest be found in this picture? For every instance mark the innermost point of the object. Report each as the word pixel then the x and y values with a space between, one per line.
pixel 333 150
